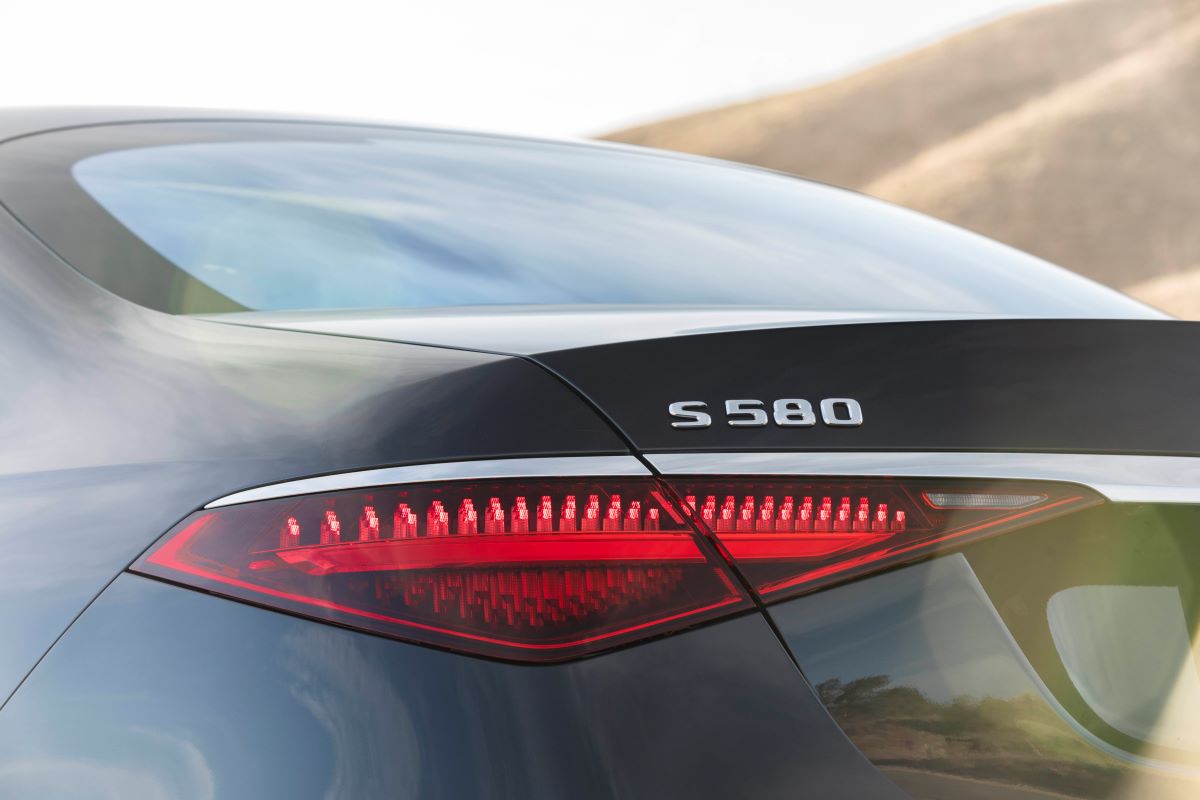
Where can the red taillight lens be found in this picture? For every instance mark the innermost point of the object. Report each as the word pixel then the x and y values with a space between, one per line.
pixel 792 535
pixel 528 570
pixel 544 570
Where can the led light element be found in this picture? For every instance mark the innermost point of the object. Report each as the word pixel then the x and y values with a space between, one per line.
pixel 827 530
pixel 545 570
pixel 533 582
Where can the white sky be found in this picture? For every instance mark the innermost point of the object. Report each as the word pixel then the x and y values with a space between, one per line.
pixel 530 66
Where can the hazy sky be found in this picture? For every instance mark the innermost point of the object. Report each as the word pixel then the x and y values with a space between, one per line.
pixel 533 66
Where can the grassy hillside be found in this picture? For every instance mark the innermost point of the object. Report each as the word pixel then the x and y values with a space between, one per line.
pixel 1071 131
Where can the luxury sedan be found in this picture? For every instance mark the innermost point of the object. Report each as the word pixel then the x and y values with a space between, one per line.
pixel 342 460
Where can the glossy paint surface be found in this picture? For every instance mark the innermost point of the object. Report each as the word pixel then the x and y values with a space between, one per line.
pixel 921 672
pixel 1105 606
pixel 1038 385
pixel 526 330
pixel 286 708
pixel 118 421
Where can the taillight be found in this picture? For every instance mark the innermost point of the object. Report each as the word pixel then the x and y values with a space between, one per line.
pixel 790 535
pixel 528 570
pixel 549 569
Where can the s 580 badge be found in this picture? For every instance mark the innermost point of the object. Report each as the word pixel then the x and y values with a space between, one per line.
pixel 791 412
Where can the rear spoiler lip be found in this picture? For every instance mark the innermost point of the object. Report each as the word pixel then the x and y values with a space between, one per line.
pixel 529 330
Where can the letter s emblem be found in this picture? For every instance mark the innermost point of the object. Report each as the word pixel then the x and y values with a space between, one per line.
pixel 692 411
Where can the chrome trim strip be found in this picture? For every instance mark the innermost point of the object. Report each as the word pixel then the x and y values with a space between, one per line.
pixel 558 466
pixel 1122 479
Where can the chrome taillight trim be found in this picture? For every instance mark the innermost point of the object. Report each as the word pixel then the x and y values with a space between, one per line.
pixel 1120 478
pixel 551 467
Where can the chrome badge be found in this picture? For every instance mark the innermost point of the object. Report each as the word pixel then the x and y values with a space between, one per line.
pixel 790 412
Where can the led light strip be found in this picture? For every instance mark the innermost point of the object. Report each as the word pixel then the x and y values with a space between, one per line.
pixel 1122 479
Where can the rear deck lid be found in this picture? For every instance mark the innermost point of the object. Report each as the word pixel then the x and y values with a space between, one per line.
pixel 1118 386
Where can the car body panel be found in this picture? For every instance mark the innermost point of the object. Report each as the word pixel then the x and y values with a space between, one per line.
pixel 528 330
pixel 118 421
pixel 17 123
pixel 918 667
pixel 1104 386
pixel 284 707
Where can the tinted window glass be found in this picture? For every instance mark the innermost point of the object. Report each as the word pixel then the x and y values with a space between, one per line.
pixel 284 216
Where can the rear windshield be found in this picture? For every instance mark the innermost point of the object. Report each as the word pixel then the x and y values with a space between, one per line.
pixel 210 217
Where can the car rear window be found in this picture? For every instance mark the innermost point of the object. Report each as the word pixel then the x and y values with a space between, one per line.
pixel 209 217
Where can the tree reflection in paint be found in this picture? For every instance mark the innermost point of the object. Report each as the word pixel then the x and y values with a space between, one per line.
pixel 1018 740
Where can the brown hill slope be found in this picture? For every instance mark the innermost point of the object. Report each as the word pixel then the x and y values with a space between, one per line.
pixel 1071 131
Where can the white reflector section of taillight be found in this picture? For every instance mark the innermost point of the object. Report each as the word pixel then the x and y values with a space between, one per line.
pixel 981 500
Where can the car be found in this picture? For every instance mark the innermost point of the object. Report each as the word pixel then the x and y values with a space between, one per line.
pixel 352 460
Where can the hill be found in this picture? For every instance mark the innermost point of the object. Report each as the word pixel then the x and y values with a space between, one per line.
pixel 1071 131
